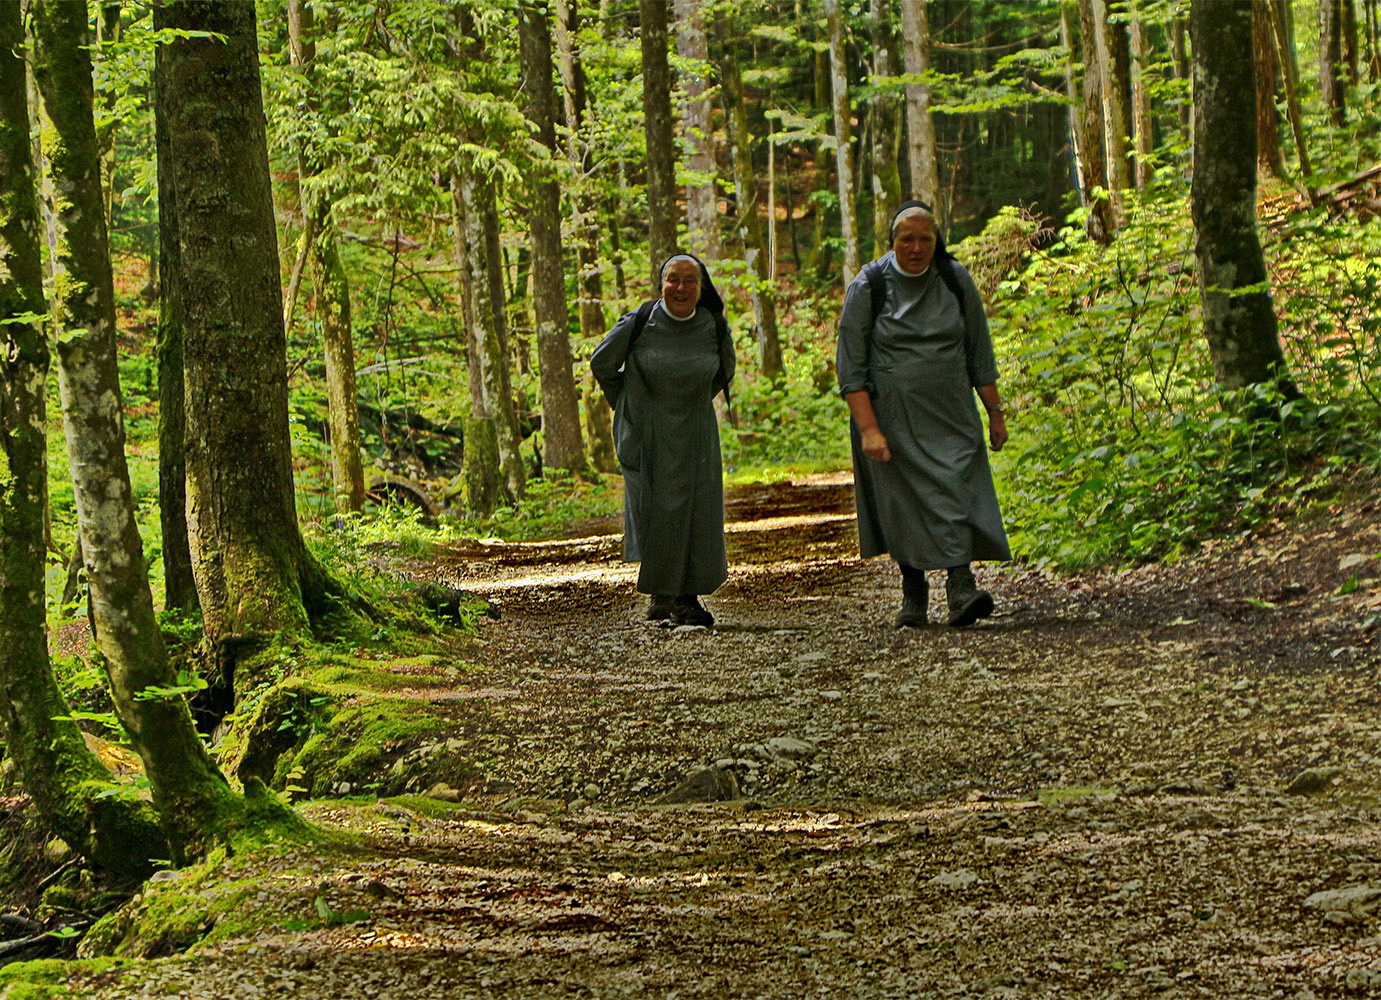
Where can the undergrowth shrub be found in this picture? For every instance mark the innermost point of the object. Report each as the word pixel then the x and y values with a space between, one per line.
pixel 1123 447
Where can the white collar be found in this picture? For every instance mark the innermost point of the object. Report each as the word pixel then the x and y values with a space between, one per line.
pixel 911 274
pixel 680 319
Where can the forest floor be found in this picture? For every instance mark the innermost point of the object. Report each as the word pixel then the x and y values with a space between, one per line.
pixel 1160 782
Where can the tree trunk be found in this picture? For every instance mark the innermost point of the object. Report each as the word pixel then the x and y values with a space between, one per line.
pixel 1282 30
pixel 72 791
pixel 1239 321
pixel 585 229
pixel 843 132
pixel 191 794
pixel 1101 223
pixel 886 177
pixel 822 262
pixel 661 148
pixel 920 123
pixel 107 33
pixel 702 204
pixel 494 470
pixel 330 286
pixel 252 569
pixel 1333 58
pixel 179 583
pixel 564 444
pixel 1270 163
pixel 1074 103
pixel 1114 59
pixel 1142 136
pixel 750 228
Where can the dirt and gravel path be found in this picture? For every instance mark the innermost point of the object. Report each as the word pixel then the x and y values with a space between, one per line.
pixel 1156 783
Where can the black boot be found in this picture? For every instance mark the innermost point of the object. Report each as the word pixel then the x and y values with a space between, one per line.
pixel 915 599
pixel 660 607
pixel 688 610
pixel 967 603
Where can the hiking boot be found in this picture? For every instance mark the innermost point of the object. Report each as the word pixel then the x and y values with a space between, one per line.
pixel 688 610
pixel 967 603
pixel 915 601
pixel 661 608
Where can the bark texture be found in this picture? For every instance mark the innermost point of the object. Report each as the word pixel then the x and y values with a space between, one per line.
pixel 189 791
pixel 179 583
pixel 70 788
pixel 1270 162
pixel 494 472
pixel 564 446
pixel 1239 321
pixel 702 203
pixel 661 149
pixel 1101 222
pixel 886 177
pixel 922 159
pixel 250 563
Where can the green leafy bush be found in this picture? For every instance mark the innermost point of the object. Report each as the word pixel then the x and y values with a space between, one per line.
pixel 1123 446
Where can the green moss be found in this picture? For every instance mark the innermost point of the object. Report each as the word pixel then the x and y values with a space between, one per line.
pixel 46 978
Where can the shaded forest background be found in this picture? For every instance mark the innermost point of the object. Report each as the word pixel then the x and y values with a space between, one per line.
pixel 1081 237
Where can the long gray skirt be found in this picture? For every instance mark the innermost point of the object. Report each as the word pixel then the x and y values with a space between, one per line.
pixel 933 505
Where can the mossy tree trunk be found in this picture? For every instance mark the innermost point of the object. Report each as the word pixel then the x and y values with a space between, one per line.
pixel 70 787
pixel 179 583
pixel 493 467
pixel 564 444
pixel 1239 321
pixel 192 797
pixel 750 228
pixel 254 576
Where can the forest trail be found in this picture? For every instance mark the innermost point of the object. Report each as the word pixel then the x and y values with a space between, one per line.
pixel 1134 784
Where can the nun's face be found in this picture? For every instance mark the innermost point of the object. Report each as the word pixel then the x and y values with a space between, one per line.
pixel 914 243
pixel 681 288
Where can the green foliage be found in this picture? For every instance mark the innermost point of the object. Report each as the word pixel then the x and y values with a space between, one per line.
pixel 1123 446
pixel 551 505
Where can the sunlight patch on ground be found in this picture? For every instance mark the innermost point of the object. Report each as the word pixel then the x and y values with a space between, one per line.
pixel 783 523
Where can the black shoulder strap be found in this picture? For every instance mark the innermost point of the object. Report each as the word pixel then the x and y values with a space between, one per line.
pixel 944 263
pixel 640 321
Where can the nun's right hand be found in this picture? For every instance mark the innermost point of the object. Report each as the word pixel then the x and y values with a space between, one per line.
pixel 875 445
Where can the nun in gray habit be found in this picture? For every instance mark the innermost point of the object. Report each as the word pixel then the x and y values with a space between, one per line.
pixel 660 368
pixel 913 352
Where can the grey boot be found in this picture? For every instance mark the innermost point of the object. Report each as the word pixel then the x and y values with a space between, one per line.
pixel 967 603
pixel 915 600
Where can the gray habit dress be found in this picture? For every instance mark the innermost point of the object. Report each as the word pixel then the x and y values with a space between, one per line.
pixel 933 505
pixel 667 441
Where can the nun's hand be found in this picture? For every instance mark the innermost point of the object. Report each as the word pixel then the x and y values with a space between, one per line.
pixel 997 429
pixel 875 445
